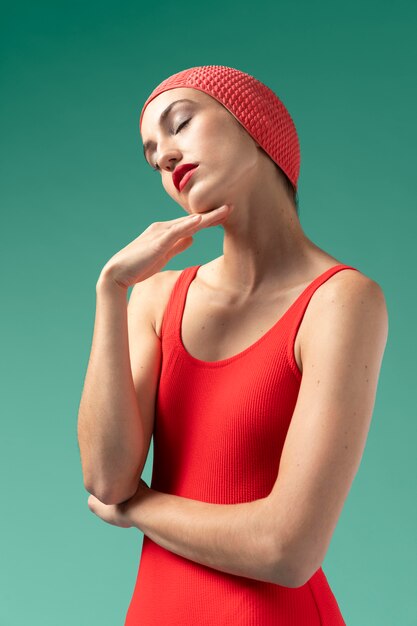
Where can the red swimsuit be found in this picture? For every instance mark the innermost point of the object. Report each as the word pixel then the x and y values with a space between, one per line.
pixel 219 432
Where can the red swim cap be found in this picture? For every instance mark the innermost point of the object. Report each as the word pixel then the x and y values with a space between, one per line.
pixel 253 104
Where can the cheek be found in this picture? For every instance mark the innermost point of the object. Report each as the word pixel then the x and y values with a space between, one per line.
pixel 203 139
pixel 218 142
pixel 238 160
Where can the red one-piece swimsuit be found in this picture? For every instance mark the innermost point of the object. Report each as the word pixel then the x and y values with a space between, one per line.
pixel 219 431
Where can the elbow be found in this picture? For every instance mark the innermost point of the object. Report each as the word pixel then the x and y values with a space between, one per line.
pixel 287 574
pixel 300 576
pixel 289 570
pixel 107 495
pixel 116 498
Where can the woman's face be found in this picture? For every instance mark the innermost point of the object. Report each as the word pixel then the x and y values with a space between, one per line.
pixel 201 131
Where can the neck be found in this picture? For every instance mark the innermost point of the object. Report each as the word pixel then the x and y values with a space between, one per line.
pixel 265 245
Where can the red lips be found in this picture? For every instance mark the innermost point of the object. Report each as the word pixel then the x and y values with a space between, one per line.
pixel 180 171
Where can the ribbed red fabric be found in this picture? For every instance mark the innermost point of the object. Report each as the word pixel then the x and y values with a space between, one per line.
pixel 219 432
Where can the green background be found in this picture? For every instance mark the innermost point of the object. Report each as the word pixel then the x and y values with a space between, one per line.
pixel 75 189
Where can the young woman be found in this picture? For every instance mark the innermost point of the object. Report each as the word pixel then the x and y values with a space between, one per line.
pixel 256 372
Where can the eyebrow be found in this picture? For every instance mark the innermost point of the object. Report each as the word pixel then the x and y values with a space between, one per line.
pixel 162 118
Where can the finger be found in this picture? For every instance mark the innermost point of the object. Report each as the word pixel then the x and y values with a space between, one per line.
pixel 178 230
pixel 201 221
pixel 181 220
pixel 188 219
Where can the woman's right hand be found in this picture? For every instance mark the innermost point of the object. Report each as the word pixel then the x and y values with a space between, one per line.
pixel 151 251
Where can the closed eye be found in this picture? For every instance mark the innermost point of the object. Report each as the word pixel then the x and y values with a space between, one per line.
pixel 182 125
pixel 157 168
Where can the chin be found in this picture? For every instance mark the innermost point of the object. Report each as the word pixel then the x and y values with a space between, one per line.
pixel 206 195
pixel 207 206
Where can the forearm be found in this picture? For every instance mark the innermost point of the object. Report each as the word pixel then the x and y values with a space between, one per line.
pixel 109 424
pixel 232 538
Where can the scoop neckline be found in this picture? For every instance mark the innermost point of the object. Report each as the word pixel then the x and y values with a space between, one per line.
pixel 256 343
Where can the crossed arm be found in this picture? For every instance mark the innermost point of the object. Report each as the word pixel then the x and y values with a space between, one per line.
pixel 284 537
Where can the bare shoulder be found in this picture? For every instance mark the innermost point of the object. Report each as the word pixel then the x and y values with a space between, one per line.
pixel 350 284
pixel 347 298
pixel 157 290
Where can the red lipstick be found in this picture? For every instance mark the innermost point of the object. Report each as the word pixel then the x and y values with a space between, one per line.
pixel 184 180
pixel 180 175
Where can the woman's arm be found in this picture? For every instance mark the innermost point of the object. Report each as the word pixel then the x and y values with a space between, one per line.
pixel 115 419
pixel 342 353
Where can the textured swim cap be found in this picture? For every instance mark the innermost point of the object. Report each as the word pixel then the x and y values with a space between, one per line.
pixel 253 104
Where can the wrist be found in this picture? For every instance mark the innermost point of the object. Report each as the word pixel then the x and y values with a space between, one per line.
pixel 107 282
pixel 141 509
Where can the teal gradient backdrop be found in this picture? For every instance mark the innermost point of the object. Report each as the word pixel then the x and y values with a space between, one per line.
pixel 75 189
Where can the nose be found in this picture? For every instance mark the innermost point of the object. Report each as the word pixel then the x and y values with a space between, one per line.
pixel 168 158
